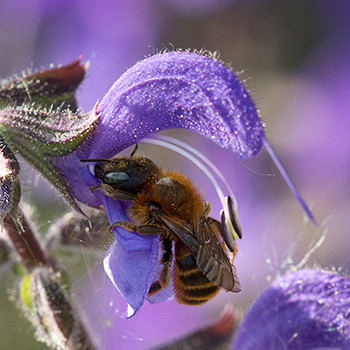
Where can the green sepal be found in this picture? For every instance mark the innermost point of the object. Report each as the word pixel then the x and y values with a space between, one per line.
pixel 36 135
pixel 49 133
pixel 45 167
pixel 65 282
pixel 53 310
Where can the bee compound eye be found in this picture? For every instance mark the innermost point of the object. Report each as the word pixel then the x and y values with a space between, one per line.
pixel 116 177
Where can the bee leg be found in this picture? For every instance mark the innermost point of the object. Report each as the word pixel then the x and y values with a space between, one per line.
pixel 167 257
pixel 143 229
pixel 154 288
pixel 129 226
pixel 164 276
pixel 111 192
pixel 211 221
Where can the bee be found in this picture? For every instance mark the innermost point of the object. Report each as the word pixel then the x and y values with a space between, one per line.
pixel 168 204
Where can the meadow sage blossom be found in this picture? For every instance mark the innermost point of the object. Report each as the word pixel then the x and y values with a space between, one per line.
pixel 306 309
pixel 187 90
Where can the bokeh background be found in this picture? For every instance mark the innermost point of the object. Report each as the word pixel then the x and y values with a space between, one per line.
pixel 294 58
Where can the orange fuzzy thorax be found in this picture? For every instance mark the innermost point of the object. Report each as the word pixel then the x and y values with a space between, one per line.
pixel 174 193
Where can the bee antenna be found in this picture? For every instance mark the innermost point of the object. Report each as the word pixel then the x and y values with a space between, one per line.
pixel 134 150
pixel 95 160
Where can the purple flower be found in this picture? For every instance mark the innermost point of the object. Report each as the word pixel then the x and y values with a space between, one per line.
pixel 169 90
pixel 307 309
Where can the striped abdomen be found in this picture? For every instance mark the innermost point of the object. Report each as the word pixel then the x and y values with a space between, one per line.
pixel 190 285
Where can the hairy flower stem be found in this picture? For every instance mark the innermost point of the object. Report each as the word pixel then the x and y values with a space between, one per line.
pixel 24 242
pixel 50 309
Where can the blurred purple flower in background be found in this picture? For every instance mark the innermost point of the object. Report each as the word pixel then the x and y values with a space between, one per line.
pixel 307 309
pixel 112 35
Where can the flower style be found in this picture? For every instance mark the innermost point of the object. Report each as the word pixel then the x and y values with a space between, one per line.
pixel 169 90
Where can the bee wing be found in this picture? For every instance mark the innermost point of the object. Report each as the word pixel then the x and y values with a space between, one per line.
pixel 181 230
pixel 203 244
pixel 212 259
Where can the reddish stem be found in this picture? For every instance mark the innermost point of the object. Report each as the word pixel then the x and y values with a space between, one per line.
pixel 24 242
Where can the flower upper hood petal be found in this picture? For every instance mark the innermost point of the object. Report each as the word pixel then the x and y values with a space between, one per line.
pixel 164 91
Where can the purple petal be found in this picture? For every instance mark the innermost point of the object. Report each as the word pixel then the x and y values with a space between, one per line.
pixel 163 294
pixel 132 273
pixel 178 90
pixel 303 310
pixel 131 262
pixel 116 210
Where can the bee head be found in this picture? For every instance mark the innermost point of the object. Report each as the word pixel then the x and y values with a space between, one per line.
pixel 124 173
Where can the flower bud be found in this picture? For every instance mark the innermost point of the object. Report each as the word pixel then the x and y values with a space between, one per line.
pixel 49 88
pixel 44 295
